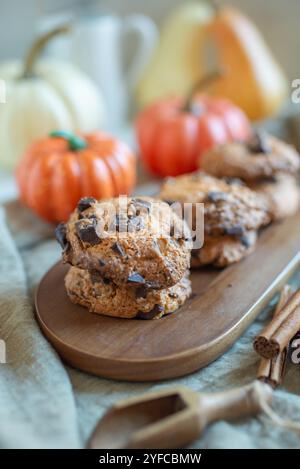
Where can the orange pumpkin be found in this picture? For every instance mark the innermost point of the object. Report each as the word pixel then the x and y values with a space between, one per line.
pixel 172 136
pixel 60 169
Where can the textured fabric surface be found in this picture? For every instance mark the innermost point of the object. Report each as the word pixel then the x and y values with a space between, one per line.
pixel 45 404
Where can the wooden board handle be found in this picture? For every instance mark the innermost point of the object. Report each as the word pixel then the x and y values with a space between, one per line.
pixel 236 403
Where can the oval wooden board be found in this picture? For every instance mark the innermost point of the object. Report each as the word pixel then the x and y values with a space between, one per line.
pixel 223 305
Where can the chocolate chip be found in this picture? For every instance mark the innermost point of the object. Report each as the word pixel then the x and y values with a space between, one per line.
pixel 87 233
pixel 136 278
pixel 237 231
pixel 116 247
pixel 258 143
pixel 158 309
pixel 106 281
pixel 101 263
pixel 216 196
pixel 169 202
pixel 85 203
pixel 141 292
pixel 61 235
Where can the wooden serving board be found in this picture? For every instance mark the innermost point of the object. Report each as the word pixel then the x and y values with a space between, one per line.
pixel 224 303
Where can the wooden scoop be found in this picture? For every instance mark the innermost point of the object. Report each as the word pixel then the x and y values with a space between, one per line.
pixel 173 417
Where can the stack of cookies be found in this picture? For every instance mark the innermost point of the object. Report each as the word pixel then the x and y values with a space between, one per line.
pixel 232 215
pixel 129 257
pixel 266 164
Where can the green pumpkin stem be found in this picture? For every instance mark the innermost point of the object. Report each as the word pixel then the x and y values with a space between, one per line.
pixel 203 83
pixel 37 47
pixel 75 143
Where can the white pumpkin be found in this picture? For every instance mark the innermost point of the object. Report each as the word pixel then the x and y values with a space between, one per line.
pixel 52 95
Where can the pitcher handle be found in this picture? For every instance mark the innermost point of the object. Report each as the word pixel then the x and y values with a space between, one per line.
pixel 147 32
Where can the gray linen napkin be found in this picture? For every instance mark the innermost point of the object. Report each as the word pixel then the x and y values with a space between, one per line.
pixel 46 404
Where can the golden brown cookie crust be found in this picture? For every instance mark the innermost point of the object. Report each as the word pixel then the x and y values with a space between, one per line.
pixel 238 161
pixel 227 206
pixel 147 254
pixel 90 291
pixel 281 195
pixel 222 251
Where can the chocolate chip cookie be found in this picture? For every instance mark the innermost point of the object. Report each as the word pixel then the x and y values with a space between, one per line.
pixel 221 251
pixel 282 195
pixel 263 156
pixel 104 297
pixel 232 215
pixel 229 207
pixel 130 241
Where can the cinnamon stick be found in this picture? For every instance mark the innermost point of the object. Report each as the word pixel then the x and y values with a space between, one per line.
pixel 271 371
pixel 276 335
pixel 287 330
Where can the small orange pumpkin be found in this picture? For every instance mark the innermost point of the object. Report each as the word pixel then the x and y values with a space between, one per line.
pixel 172 139
pixel 174 133
pixel 58 170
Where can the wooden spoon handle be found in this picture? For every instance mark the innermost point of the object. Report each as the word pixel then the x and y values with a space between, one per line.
pixel 235 403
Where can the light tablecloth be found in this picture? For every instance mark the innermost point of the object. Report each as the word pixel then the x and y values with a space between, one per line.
pixel 46 404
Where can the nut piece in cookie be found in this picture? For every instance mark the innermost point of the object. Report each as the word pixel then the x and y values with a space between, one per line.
pixel 109 299
pixel 129 240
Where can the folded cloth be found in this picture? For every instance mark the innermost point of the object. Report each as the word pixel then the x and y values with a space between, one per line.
pixel 46 404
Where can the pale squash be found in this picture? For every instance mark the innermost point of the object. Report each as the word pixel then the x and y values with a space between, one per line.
pixel 42 96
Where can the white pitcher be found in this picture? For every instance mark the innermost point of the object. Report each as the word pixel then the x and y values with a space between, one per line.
pixel 96 45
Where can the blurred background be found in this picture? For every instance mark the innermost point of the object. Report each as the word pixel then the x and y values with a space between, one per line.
pixel 116 57
pixel 277 19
